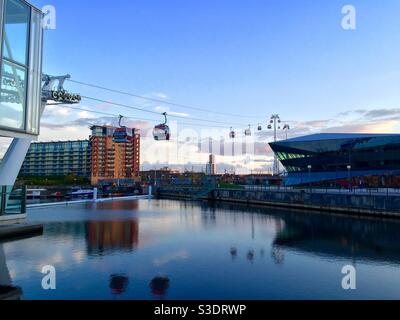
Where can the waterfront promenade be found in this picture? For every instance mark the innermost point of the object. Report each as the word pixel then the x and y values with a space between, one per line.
pixel 374 202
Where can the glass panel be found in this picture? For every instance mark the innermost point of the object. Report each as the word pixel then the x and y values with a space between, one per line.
pixel 12 96
pixel 1 25
pixel 35 74
pixel 16 30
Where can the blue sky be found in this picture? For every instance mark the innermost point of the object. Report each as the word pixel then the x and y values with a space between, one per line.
pixel 252 58
pixel 283 56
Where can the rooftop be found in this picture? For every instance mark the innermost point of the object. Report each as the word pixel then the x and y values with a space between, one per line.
pixel 337 136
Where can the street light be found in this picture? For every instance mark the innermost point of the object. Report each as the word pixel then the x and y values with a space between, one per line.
pixel 286 128
pixel 309 167
pixel 349 172
pixel 275 122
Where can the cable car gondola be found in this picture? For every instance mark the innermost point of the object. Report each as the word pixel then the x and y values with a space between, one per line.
pixel 232 134
pixel 259 127
pixel 120 134
pixel 161 132
pixel 247 132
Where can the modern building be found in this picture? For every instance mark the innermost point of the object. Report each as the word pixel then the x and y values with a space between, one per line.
pixel 340 158
pixel 61 158
pixel 21 46
pixel 114 162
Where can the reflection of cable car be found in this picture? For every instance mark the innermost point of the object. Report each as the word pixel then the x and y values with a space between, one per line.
pixel 118 283
pixel 259 127
pixel 120 134
pixel 247 132
pixel 162 132
pixel 232 134
pixel 159 286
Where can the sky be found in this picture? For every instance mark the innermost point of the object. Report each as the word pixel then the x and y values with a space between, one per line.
pixel 249 59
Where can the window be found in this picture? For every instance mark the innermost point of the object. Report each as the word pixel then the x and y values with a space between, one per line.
pixel 20 66
pixel 13 71
pixel 16 30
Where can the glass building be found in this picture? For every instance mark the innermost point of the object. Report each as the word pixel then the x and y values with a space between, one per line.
pixel 63 158
pixel 21 35
pixel 322 158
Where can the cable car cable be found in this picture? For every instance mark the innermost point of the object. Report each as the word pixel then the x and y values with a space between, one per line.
pixel 158 113
pixel 161 101
pixel 129 117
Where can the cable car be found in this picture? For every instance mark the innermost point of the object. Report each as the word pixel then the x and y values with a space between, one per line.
pixel 162 132
pixel 269 127
pixel 259 127
pixel 120 134
pixel 247 132
pixel 232 134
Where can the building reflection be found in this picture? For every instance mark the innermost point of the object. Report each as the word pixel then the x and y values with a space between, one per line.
pixel 7 290
pixel 326 235
pixel 341 237
pixel 105 237
pixel 116 205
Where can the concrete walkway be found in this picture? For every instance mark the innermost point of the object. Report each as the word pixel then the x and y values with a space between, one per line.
pixel 20 230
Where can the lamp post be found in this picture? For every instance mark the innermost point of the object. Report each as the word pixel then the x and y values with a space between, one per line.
pixel 274 124
pixel 309 167
pixel 286 128
pixel 349 173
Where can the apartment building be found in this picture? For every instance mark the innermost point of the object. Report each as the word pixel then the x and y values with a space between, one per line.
pixel 114 162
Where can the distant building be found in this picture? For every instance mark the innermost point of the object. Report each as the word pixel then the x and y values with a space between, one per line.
pixel 211 168
pixel 61 158
pixel 117 163
pixel 340 159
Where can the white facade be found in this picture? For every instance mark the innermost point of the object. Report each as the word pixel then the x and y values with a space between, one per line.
pixel 21 35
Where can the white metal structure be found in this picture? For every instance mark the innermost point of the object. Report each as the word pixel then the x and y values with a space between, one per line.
pixel 16 153
pixel 21 105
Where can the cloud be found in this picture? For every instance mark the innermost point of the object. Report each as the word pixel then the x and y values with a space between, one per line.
pixel 163 109
pixel 174 256
pixel 160 95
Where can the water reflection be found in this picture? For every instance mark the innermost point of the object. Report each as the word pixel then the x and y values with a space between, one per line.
pixel 118 283
pixel 210 251
pixel 335 236
pixel 159 286
pixel 233 253
pixel 7 290
pixel 250 255
pixel 104 237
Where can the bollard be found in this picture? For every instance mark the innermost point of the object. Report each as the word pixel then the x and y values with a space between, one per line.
pixel 95 192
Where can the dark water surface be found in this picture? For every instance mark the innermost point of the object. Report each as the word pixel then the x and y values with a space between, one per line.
pixel 161 249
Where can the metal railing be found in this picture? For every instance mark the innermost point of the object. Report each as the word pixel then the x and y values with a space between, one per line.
pixel 352 191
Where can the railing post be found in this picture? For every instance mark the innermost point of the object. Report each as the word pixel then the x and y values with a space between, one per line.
pixel 23 200
pixel 3 197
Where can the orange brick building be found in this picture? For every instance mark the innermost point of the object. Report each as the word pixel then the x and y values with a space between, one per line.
pixel 116 163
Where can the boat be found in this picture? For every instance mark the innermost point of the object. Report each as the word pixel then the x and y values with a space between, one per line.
pixel 78 192
pixel 35 193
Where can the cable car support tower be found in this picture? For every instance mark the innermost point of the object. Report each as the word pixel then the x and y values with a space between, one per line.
pixel 52 91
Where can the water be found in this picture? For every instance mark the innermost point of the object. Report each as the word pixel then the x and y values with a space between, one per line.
pixel 161 249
